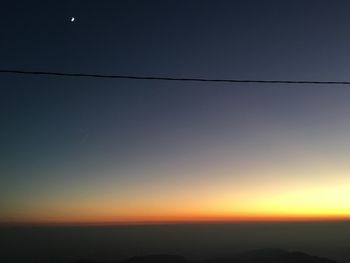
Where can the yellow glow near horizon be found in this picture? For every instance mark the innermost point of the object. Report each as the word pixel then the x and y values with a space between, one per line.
pixel 319 192
pixel 312 202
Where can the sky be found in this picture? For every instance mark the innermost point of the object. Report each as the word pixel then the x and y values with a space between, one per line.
pixel 84 150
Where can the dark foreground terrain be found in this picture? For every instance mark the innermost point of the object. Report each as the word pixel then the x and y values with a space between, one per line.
pixel 256 256
pixel 195 242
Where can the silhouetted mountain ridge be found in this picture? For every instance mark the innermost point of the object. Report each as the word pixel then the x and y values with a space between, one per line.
pixel 269 255
pixel 161 258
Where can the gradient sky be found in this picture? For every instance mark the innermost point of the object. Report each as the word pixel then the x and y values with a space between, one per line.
pixel 95 151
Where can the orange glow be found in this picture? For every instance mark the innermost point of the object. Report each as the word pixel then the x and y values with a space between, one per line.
pixel 177 220
pixel 223 199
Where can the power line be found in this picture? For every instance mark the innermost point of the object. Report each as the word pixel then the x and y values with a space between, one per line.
pixel 64 74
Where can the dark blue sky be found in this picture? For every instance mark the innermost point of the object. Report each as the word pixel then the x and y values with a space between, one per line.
pixel 88 141
pixel 243 39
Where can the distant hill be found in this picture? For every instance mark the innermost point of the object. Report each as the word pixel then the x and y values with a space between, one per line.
pixel 156 259
pixel 256 256
pixel 271 256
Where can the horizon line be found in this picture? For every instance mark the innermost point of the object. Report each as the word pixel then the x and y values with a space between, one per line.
pixel 172 222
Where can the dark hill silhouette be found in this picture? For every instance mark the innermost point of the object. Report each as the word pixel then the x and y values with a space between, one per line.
pixel 156 259
pixel 255 256
pixel 272 256
pixel 262 253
